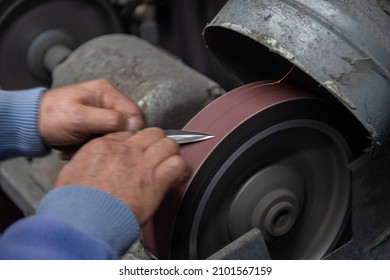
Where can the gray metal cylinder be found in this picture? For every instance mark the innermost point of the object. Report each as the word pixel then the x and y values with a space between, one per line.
pixel 342 46
pixel 169 92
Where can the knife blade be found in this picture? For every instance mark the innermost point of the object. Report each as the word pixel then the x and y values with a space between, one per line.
pixel 184 137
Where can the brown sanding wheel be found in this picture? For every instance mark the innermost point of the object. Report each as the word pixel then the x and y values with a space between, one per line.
pixel 278 162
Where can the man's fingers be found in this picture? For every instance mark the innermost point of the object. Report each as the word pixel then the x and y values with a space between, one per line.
pixel 73 114
pixel 116 100
pixel 119 136
pixel 146 137
pixel 161 150
pixel 93 120
pixel 172 171
pixel 111 98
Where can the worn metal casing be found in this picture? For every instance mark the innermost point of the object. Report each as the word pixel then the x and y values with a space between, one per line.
pixel 339 47
pixel 169 92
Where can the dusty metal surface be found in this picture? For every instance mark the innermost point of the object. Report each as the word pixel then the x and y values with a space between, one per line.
pixel 250 246
pixel 17 183
pixel 343 46
pixel 385 5
pixel 370 218
pixel 168 91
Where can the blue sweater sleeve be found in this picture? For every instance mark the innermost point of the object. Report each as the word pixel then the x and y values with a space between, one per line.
pixel 94 212
pixel 72 222
pixel 43 238
pixel 19 124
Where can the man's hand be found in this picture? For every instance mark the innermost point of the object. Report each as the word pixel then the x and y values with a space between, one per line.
pixel 136 168
pixel 71 114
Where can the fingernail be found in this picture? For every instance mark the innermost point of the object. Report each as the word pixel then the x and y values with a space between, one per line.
pixel 134 124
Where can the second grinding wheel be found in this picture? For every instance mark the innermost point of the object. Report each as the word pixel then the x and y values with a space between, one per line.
pixel 278 162
pixel 37 35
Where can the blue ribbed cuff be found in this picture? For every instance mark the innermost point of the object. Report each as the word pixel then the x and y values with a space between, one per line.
pixel 93 212
pixel 19 135
pixel 47 238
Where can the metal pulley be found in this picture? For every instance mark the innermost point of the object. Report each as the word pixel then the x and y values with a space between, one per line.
pixel 37 35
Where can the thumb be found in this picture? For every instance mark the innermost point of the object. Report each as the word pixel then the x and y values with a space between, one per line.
pixel 102 121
